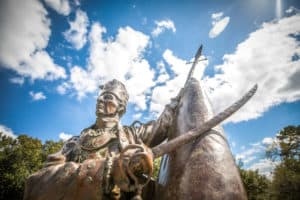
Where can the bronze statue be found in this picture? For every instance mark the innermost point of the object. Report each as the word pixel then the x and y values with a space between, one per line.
pixel 111 161
pixel 88 166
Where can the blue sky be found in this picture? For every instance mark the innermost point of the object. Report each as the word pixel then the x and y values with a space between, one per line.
pixel 54 54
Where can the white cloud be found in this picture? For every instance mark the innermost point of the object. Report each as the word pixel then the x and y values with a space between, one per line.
pixel 62 88
pixel 219 24
pixel 64 136
pixel 137 116
pixel 249 159
pixel 264 167
pixel 7 131
pixel 17 80
pixel 267 141
pixel 120 58
pixel 248 155
pixel 77 34
pixel 163 76
pixel 36 96
pixel 77 2
pixel 217 16
pixel 162 94
pixel 60 6
pixel 233 144
pixel 162 26
pixel 254 157
pixel 265 57
pixel 82 82
pixel 292 9
pixel 25 32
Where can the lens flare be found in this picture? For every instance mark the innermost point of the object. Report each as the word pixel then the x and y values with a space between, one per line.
pixel 278 9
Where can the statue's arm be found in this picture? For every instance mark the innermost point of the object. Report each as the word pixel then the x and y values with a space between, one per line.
pixel 156 131
pixel 62 178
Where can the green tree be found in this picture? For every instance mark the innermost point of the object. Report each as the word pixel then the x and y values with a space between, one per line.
pixel 156 166
pixel 51 147
pixel 286 178
pixel 19 158
pixel 256 185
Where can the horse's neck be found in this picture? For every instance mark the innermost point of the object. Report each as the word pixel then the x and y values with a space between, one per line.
pixel 194 109
pixel 201 161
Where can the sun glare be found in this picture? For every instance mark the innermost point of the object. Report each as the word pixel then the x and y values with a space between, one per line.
pixel 278 9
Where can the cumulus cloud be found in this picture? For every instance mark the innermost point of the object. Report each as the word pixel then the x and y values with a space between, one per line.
pixel 24 33
pixel 292 10
pixel 37 96
pixel 77 34
pixel 62 88
pixel 219 24
pixel 82 82
pixel 60 6
pixel 163 76
pixel 77 2
pixel 137 116
pixel 162 26
pixel 264 167
pixel 64 136
pixel 120 58
pixel 268 141
pixel 7 131
pixel 267 57
pixel 254 157
pixel 162 94
pixel 252 153
pixel 17 80
pixel 217 16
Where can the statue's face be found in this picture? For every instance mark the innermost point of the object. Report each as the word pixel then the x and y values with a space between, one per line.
pixel 107 104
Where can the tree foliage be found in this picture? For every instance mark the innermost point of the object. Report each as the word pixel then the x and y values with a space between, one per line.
pixel 156 167
pixel 286 178
pixel 256 185
pixel 19 158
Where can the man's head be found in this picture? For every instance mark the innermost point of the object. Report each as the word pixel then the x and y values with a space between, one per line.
pixel 112 100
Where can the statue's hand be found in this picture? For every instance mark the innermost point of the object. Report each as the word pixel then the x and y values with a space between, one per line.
pixel 134 165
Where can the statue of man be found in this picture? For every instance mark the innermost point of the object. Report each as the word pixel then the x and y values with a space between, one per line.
pixel 89 166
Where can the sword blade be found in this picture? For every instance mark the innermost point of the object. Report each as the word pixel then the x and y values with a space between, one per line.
pixel 191 72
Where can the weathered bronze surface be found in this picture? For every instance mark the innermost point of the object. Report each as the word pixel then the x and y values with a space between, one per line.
pixel 111 161
pixel 107 160
pixel 205 168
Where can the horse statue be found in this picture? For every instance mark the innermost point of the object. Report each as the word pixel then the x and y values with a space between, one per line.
pixel 204 168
